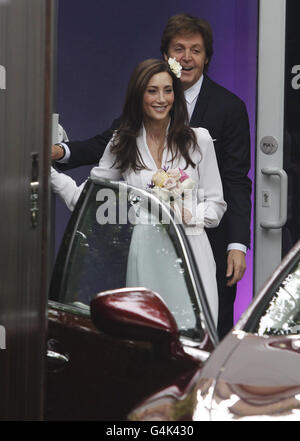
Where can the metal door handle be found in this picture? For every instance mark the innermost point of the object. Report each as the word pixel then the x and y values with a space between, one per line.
pixel 270 171
pixel 57 358
pixel 34 190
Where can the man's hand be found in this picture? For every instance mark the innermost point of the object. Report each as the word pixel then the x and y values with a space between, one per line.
pixel 236 266
pixel 57 152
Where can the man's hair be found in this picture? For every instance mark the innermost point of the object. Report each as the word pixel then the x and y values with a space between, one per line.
pixel 185 24
pixel 181 137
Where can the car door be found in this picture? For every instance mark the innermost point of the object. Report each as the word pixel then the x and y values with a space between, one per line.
pixel 91 375
pixel 256 370
pixel 253 374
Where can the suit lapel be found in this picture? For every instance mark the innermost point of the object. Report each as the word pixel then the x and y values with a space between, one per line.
pixel 201 103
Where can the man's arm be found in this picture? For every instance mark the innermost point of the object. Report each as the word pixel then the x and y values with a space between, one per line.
pixel 237 190
pixel 234 168
pixel 87 152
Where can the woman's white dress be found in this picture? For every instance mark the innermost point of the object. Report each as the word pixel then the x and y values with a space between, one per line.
pixel 208 212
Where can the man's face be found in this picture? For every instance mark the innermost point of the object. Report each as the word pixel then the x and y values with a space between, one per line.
pixel 189 51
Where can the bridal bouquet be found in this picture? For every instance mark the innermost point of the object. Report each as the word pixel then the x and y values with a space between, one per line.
pixel 170 184
pixel 174 186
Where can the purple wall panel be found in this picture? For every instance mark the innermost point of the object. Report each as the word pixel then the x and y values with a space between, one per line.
pixel 99 44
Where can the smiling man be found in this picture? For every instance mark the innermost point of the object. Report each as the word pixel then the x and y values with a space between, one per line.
pixel 189 51
pixel 189 40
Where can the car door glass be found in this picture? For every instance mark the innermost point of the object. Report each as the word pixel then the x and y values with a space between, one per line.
pixel 282 314
pixel 122 241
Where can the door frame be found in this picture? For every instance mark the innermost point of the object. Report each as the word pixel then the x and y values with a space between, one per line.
pixel 271 179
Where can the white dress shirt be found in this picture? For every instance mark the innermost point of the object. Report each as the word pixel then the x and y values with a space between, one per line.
pixel 191 96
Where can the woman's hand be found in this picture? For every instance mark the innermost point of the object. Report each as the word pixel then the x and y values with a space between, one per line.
pixel 186 215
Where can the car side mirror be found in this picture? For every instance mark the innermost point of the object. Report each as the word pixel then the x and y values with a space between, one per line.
pixel 137 314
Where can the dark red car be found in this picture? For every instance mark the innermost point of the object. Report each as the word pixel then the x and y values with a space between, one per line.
pixel 101 363
pixel 152 353
pixel 254 373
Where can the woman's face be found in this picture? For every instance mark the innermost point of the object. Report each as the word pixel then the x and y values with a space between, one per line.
pixel 158 97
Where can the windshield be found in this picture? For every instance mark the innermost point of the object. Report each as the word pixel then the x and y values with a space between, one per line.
pixel 281 314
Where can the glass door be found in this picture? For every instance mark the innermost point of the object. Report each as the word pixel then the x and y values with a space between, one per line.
pixel 277 157
pixel 291 156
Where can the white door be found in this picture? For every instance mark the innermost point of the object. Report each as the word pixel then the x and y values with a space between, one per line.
pixel 277 222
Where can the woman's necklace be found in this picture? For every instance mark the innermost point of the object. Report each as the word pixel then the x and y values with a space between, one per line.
pixel 156 147
pixel 156 138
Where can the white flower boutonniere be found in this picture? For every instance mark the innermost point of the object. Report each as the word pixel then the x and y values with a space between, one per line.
pixel 175 67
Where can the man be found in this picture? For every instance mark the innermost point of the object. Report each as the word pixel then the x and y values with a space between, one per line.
pixel 190 41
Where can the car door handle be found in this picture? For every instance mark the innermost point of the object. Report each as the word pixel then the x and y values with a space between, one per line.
pixel 274 171
pixel 57 359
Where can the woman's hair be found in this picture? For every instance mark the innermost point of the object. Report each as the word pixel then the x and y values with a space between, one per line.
pixel 180 136
pixel 186 24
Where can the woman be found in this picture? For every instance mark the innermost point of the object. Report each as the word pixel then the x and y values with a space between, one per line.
pixel 154 133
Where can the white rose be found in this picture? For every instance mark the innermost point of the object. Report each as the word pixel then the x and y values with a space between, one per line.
pixel 175 67
pixel 169 183
pixel 159 178
pixel 188 184
pixel 174 173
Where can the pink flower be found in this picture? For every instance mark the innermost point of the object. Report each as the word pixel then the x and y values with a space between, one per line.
pixel 184 176
pixel 170 183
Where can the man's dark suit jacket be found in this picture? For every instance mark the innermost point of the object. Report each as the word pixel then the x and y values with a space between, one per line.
pixel 225 117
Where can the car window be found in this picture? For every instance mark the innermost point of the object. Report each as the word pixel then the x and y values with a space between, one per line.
pixel 281 316
pixel 123 240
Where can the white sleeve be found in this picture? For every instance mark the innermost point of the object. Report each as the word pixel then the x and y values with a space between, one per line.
pixel 67 154
pixel 237 246
pixel 107 167
pixel 210 190
pixel 66 188
pixel 69 191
